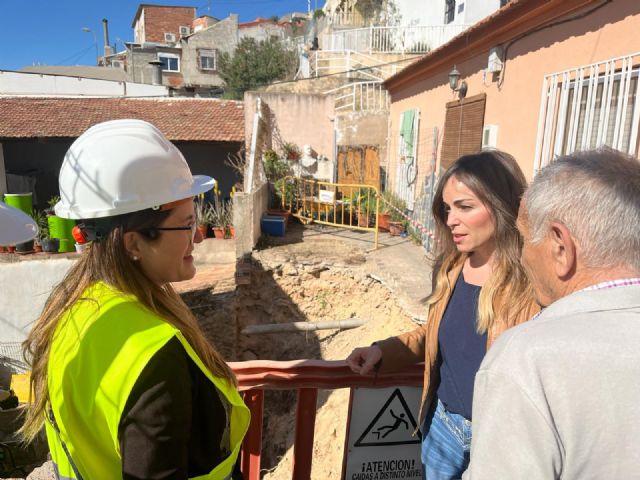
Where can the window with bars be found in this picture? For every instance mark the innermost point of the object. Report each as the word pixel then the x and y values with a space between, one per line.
pixel 207 59
pixel 589 107
pixel 449 11
pixel 590 115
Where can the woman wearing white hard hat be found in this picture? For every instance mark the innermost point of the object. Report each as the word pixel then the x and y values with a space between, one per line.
pixel 123 379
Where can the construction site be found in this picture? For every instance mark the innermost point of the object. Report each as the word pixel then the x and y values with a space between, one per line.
pixel 315 274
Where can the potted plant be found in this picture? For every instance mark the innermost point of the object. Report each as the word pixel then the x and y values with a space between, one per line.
pixel 43 229
pixel 364 203
pixel 47 244
pixel 390 204
pixel 276 169
pixel 219 216
pixel 291 151
pixel 396 228
pixel 203 216
pixel 230 230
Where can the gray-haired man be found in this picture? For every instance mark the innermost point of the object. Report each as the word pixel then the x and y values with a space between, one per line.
pixel 559 396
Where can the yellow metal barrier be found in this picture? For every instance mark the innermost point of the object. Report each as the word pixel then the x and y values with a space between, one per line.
pixel 336 204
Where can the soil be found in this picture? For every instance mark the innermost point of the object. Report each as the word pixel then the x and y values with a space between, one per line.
pixel 312 281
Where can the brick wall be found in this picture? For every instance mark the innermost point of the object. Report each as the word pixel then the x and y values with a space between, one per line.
pixel 159 20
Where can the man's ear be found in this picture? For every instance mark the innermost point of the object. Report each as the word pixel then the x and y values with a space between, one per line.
pixel 563 250
pixel 132 245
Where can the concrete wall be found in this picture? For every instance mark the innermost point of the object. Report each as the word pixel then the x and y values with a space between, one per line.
pixel 27 282
pixel 475 10
pixel 17 83
pixel 26 285
pixel 297 118
pixel 431 12
pixel 360 128
pixel 514 107
pixel 139 70
pixel 264 31
pixel 222 36
pixel 247 212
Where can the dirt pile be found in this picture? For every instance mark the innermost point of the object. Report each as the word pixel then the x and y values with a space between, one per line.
pixel 312 281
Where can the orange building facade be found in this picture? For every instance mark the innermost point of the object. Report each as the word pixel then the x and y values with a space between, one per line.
pixel 543 78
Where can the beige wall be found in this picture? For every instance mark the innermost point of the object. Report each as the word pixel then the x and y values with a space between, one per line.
pixel 609 32
pixel 362 128
pixel 297 118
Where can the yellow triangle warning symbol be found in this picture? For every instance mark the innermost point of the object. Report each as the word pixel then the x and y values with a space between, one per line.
pixel 392 425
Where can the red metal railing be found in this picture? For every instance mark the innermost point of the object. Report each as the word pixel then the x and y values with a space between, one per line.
pixel 306 376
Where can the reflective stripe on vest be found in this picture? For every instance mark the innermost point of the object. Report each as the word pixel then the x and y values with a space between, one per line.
pixel 98 351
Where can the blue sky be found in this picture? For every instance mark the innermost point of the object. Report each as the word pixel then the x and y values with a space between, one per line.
pixel 49 32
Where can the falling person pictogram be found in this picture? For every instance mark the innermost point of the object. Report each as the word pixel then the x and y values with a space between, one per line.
pixel 392 428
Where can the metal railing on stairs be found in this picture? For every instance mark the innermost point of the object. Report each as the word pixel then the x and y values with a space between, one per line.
pixel 305 376
pixel 391 39
pixel 351 64
pixel 360 96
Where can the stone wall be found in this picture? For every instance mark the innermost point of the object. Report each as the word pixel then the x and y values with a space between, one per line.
pixel 222 37
pixel 247 212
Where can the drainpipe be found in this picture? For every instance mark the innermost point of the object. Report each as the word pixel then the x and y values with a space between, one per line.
pixel 156 76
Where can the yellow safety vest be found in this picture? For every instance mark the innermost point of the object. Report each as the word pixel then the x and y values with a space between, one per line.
pixel 98 351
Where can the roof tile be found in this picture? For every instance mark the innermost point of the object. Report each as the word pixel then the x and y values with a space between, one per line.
pixel 180 119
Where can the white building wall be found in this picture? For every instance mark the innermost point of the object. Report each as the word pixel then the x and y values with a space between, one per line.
pixel 26 84
pixel 420 12
pixel 476 10
pixel 431 12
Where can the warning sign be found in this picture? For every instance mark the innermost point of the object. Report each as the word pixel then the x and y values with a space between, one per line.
pixel 381 440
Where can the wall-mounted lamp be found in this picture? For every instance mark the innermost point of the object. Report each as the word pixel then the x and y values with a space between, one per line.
pixel 454 79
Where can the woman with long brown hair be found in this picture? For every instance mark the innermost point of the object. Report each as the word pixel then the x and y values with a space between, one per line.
pixel 123 379
pixel 479 291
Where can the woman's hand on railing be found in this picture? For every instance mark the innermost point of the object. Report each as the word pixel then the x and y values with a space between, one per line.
pixel 363 360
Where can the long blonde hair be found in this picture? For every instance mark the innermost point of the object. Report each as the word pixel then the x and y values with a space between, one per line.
pixel 496 179
pixel 107 261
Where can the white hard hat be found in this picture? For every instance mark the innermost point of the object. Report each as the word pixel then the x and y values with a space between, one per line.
pixel 123 166
pixel 15 226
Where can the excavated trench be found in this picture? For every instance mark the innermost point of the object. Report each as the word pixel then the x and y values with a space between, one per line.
pixel 291 284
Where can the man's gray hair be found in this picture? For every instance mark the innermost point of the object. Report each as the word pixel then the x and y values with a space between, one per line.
pixel 596 195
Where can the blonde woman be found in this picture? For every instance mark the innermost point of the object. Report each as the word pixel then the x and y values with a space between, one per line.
pixel 122 378
pixel 479 291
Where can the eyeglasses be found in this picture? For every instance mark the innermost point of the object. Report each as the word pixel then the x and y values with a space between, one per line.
pixel 152 232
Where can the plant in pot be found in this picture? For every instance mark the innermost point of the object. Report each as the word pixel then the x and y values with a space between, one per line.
pixel 364 202
pixel 394 206
pixel 219 217
pixel 291 151
pixel 43 229
pixel 203 216
pixel 276 169
pixel 385 210
pixel 47 244
pixel 230 230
